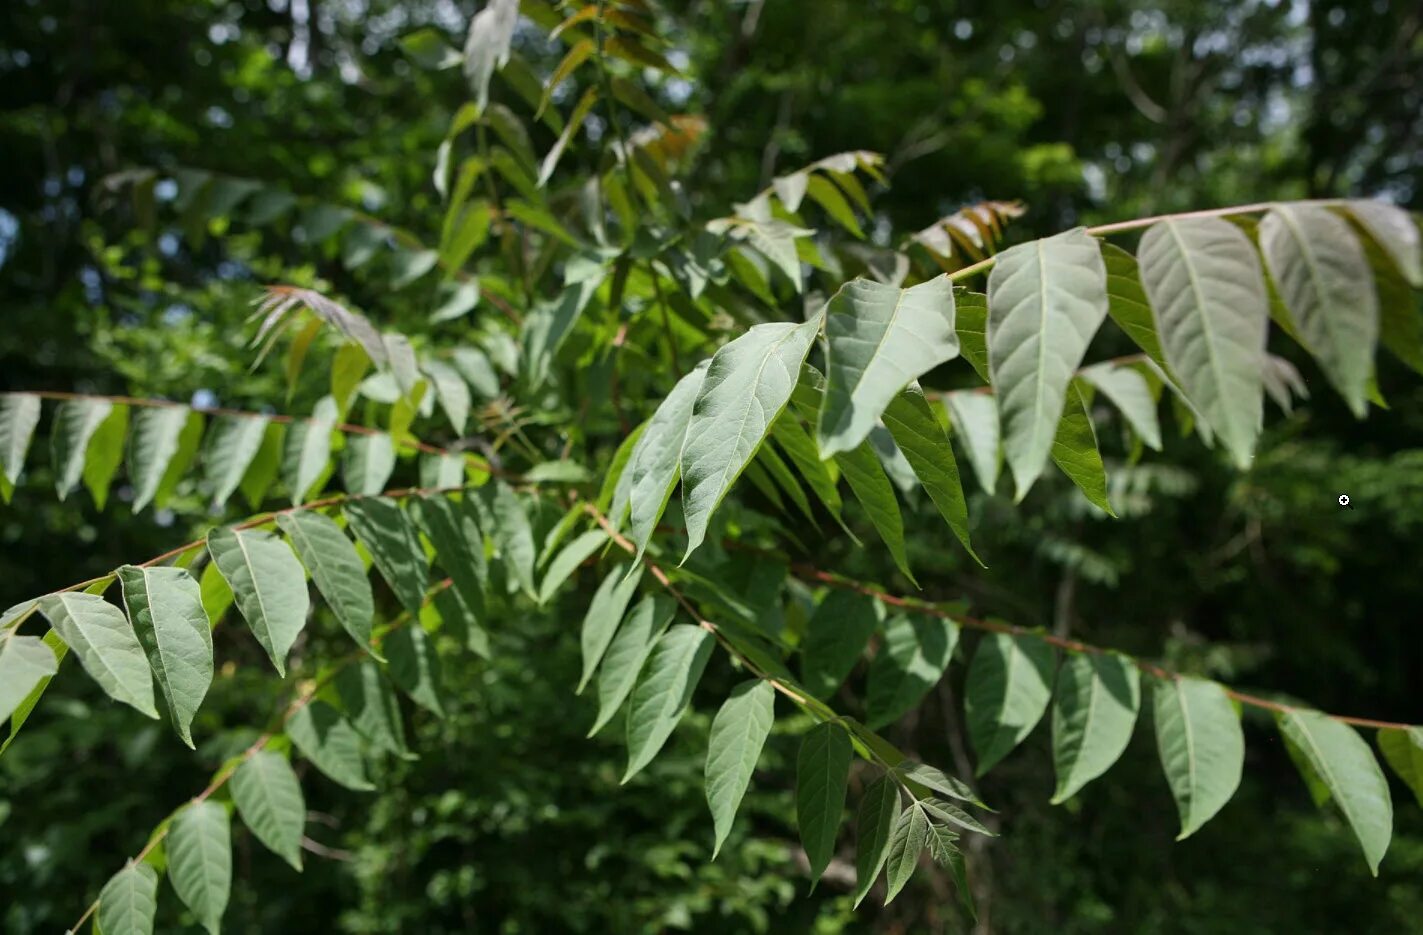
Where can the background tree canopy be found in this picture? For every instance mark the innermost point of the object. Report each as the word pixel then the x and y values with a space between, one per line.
pixel 170 160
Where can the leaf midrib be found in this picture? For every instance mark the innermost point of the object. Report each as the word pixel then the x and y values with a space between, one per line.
pixel 1199 293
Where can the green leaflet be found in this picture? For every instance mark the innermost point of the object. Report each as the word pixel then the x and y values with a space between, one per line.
pixel 216 595
pixel 652 467
pixel 906 842
pixel 1129 391
pixel 1400 325
pixel 335 567
pixel 835 639
pixel 415 666
pixel 105 454
pixel 199 849
pixel 664 691
pixel 1074 449
pixel 514 536
pixel 747 384
pixel 451 391
pixel 926 447
pixel 22 711
pixel 550 324
pixel 1403 749
pixel 1127 302
pixel 937 780
pixel 947 813
pixel 75 423
pixel 896 467
pixel 19 414
pixel 453 528
pixel 348 366
pixel 1092 717
pixel 605 611
pixel 1323 278
pixel 190 439
pixel 1007 691
pixel 464 622
pixel 367 463
pixel 268 585
pixel 769 462
pixel 571 520
pixel 879 813
pixel 157 434
pixel 372 707
pixel 1337 763
pixel 307 452
pixel 166 608
pixel 332 745
pixel 567 561
pixel 822 771
pixel 232 444
pixel 575 123
pixel 738 733
pixel 975 420
pixel 628 651
pixel 558 472
pixel 862 470
pixel 912 659
pixel 441 471
pixel 1396 233
pixel 389 535
pixel 1211 310
pixel 269 799
pixel 865 475
pixel 797 444
pixel 1201 745
pixel 1045 301
pixel 25 661
pixel 403 368
pixel 262 472
pixel 107 647
pixel 776 241
pixel 971 323
pixel 128 902
pixel 617 482
pixel 824 193
pixel 879 340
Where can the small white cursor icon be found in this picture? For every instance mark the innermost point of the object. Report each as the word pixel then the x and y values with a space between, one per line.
pixel 1344 500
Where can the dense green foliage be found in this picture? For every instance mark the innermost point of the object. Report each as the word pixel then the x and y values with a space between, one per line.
pixel 546 226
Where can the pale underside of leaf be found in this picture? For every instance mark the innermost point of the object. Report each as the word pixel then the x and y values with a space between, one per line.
pixel 627 652
pixel 1201 745
pixel 1046 300
pixel 107 647
pixel 879 340
pixel 1211 310
pixel 747 385
pixel 665 691
pixel 738 733
pixel 199 848
pixel 166 608
pixel 1092 719
pixel 1343 762
pixel 1324 280
pixel 268 585
pixel 129 901
pixel 268 797
pixel 975 420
